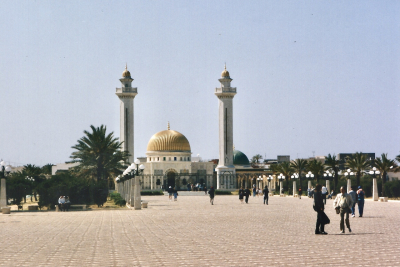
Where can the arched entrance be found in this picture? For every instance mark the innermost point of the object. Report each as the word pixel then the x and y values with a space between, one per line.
pixel 171 176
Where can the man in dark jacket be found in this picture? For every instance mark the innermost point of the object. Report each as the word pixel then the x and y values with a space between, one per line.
pixel 247 194
pixel 265 193
pixel 319 208
pixel 211 192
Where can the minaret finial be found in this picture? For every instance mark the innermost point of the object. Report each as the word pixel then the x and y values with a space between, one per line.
pixel 126 66
pixel 168 126
pixel 225 65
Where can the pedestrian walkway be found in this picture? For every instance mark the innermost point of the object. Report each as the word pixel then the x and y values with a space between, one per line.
pixel 191 232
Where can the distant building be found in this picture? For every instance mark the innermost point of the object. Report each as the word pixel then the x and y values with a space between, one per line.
pixel 283 159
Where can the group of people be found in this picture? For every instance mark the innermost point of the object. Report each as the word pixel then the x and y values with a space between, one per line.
pixel 245 193
pixel 172 192
pixel 64 203
pixel 344 204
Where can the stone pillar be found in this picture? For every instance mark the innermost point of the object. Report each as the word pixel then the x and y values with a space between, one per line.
pixel 137 196
pixel 132 193
pixel 309 184
pixel 375 195
pixel 294 188
pixel 348 185
pixel 280 187
pixel 328 186
pixel 151 182
pixel 3 194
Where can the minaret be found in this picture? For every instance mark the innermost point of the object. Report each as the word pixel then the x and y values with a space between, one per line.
pixel 225 168
pixel 126 94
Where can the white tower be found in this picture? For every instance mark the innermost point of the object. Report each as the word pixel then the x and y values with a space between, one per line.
pixel 225 168
pixel 126 94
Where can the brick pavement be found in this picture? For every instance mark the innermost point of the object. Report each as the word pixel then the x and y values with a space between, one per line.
pixel 191 232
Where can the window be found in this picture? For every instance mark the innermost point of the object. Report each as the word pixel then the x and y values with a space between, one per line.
pixel 158 159
pixel 164 159
pixel 126 85
pixel 169 158
pixel 174 158
pixel 181 158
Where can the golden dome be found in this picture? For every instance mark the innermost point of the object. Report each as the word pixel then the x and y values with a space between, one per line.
pixel 225 73
pixel 126 73
pixel 168 140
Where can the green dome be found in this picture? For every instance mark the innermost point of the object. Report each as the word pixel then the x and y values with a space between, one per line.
pixel 240 158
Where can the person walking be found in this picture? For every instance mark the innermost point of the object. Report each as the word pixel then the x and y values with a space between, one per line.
pixel 246 195
pixel 254 191
pixel 266 192
pixel 205 189
pixel 175 194
pixel 212 194
pixel 170 192
pixel 360 198
pixel 324 192
pixel 319 208
pixel 343 202
pixel 241 194
pixel 299 193
pixel 354 198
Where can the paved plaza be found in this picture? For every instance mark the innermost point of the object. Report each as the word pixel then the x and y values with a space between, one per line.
pixel 191 232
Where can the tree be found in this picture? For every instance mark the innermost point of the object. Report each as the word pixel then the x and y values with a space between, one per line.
pixel 46 169
pixel 358 163
pixel 99 155
pixel 256 158
pixel 299 165
pixel 332 163
pixel 286 169
pixel 32 171
pixel 385 165
pixel 316 167
pixel 18 187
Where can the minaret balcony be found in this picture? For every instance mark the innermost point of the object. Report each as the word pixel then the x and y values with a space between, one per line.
pixel 225 90
pixel 127 90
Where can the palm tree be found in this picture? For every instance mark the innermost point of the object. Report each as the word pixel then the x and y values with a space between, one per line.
pixel 286 169
pixel 32 171
pixel 99 154
pixel 384 165
pixel 299 165
pixel 332 163
pixel 358 163
pixel 256 158
pixel 46 169
pixel 398 158
pixel 316 167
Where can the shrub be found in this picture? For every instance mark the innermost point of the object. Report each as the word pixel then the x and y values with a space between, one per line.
pixel 392 189
pixel 223 192
pixel 118 200
pixel 152 193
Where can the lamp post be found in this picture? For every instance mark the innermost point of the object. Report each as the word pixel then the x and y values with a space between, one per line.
pixel 131 172
pixel 5 171
pixel 375 195
pixel 259 179
pixel 348 173
pixel 294 177
pixel 31 180
pixel 328 176
pixel 310 176
pixel 281 177
pixel 269 178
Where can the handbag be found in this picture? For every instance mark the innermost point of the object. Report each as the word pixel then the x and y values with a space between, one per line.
pixel 337 209
pixel 325 219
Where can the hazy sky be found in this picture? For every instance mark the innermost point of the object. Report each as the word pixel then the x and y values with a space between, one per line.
pixel 320 76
